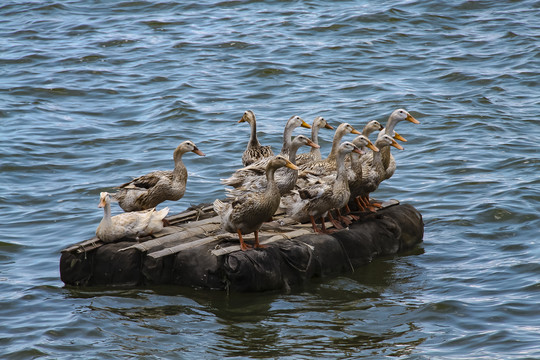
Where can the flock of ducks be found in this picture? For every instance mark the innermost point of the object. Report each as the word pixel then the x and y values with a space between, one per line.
pixel 306 186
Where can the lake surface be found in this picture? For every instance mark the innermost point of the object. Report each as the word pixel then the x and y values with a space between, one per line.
pixel 95 92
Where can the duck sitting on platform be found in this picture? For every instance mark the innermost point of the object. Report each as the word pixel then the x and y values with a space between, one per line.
pixel 254 150
pixel 147 191
pixel 246 214
pixel 134 224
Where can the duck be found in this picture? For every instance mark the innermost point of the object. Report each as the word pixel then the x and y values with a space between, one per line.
pixel 328 165
pixel 133 224
pixel 254 150
pixel 315 153
pixel 374 172
pixel 370 127
pixel 320 195
pixel 355 173
pixel 238 178
pixel 395 117
pixel 148 191
pixel 284 177
pixel 247 213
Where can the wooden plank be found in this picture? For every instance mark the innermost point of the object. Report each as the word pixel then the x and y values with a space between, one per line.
pixel 185 234
pixel 287 235
pixel 189 245
pixel 85 246
pixel 189 214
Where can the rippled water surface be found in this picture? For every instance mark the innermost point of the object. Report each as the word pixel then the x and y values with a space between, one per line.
pixel 95 92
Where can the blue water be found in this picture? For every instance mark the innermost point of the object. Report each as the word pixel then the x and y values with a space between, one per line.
pixel 95 92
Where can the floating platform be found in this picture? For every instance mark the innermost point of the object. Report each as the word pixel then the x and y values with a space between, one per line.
pixel 194 251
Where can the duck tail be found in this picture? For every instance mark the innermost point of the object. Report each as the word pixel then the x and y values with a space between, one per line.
pixel 219 206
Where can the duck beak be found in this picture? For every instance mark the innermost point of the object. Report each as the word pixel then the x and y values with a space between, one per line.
pixel 243 119
pixel 396 145
pixel 354 131
pixel 328 126
pixel 290 165
pixel 102 203
pixel 313 145
pixel 198 152
pixel 358 151
pixel 372 147
pixel 305 124
pixel 381 127
pixel 399 137
pixel 411 119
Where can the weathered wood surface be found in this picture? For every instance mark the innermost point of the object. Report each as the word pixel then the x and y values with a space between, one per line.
pixel 194 251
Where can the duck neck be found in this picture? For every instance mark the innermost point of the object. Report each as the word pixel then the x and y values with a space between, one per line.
pixel 179 166
pixel 356 164
pixel 253 138
pixel 335 145
pixel 341 177
pixel 390 125
pixel 292 151
pixel 287 133
pixel 315 138
pixel 367 130
pixel 270 180
pixel 107 214
pixel 378 158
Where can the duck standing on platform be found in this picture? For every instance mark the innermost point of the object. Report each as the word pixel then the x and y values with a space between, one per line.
pixel 147 191
pixel 394 118
pixel 322 194
pixel 355 172
pixel 246 214
pixel 254 150
pixel 134 224
pixel 374 172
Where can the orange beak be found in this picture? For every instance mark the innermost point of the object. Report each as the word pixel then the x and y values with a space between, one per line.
pixel 411 119
pixel 198 152
pixel 305 124
pixel 290 165
pixel 354 131
pixel 396 145
pixel 372 147
pixel 328 126
pixel 313 145
pixel 399 137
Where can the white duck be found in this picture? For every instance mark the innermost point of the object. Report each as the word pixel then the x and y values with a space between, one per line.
pixel 131 225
